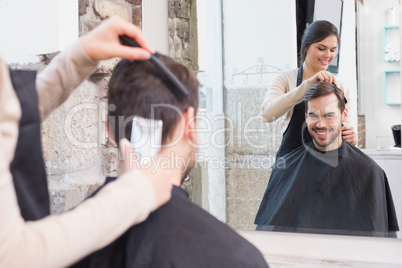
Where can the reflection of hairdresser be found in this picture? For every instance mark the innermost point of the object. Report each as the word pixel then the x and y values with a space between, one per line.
pixel 29 236
pixel 284 98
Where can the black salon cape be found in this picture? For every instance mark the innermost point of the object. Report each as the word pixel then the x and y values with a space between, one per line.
pixel 178 234
pixel 338 192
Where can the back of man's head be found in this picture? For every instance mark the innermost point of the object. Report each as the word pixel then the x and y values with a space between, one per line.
pixel 322 89
pixel 139 89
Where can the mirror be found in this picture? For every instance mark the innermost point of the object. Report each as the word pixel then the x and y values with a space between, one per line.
pixel 251 60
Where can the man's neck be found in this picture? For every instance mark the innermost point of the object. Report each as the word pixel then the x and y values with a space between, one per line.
pixel 336 144
pixel 176 162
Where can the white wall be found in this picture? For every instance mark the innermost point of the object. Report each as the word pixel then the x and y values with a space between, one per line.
pixel 347 59
pixel 400 45
pixel 155 24
pixel 209 23
pixel 256 33
pixel 379 116
pixel 29 28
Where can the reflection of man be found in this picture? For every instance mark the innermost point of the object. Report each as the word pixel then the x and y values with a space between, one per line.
pixel 179 234
pixel 328 185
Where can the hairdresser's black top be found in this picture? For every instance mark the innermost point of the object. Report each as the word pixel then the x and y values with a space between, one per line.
pixel 179 234
pixel 28 167
pixel 340 192
pixel 296 133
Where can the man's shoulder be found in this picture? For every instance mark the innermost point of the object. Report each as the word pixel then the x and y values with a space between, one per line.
pixel 181 212
pixel 286 159
pixel 355 156
pixel 181 206
pixel 191 229
pixel 352 151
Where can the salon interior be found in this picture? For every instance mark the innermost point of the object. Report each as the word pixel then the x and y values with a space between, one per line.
pixel 236 48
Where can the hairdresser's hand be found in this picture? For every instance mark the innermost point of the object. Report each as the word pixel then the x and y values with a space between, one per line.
pixel 349 134
pixel 103 41
pixel 324 76
pixel 160 178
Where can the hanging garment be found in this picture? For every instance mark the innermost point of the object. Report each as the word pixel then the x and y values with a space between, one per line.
pixel 28 167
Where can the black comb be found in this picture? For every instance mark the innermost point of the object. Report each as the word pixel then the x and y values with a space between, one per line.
pixel 179 89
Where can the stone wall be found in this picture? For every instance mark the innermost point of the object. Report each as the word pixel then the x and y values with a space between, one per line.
pixel 78 153
pixel 183 32
pixel 182 26
pixel 251 152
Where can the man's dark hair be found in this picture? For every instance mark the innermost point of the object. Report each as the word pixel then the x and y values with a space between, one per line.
pixel 139 89
pixel 322 89
pixel 316 32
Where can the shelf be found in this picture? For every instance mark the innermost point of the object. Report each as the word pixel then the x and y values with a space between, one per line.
pixel 391 44
pixel 392 87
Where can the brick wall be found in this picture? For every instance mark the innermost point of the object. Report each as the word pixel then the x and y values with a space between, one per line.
pixel 361 129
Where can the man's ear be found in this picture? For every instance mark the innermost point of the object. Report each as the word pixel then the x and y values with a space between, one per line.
pixel 190 128
pixel 345 115
pixel 111 142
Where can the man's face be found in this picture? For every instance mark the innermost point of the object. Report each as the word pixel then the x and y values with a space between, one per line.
pixel 324 120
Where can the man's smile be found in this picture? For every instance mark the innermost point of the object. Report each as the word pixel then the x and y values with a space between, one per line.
pixel 322 133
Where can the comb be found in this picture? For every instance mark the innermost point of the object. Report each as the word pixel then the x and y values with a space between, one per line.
pixel 179 90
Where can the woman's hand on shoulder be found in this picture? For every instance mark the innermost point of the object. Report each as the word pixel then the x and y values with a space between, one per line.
pixel 103 41
pixel 324 76
pixel 349 134
pixel 158 176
